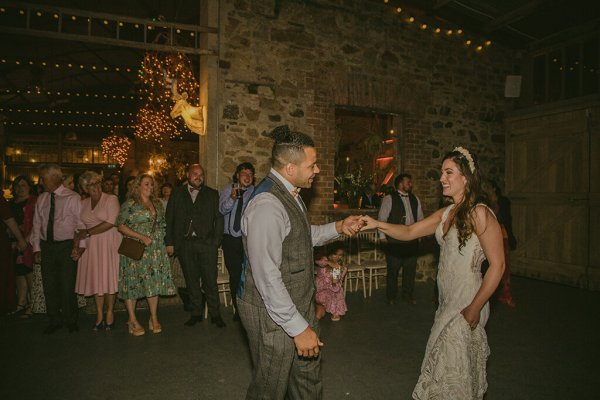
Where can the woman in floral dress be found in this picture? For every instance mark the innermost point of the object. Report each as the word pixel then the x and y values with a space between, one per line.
pixel 142 217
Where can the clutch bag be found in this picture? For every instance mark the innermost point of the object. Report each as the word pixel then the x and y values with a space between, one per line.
pixel 131 248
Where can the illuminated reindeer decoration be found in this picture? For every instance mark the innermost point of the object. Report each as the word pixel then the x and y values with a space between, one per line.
pixel 194 117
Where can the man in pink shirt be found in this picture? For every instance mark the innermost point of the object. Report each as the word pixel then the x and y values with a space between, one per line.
pixel 55 221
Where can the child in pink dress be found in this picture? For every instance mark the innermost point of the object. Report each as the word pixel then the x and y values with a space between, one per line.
pixel 330 285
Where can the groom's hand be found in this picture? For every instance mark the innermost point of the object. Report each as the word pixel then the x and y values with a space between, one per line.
pixel 350 225
pixel 308 343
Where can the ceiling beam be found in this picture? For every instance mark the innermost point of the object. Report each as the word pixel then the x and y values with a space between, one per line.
pixel 437 4
pixel 171 31
pixel 513 16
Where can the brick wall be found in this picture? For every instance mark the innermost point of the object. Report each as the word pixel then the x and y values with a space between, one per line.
pixel 291 62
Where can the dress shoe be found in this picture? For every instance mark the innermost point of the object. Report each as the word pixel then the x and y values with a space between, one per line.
pixel 73 328
pixel 194 319
pixel 50 329
pixel 154 328
pixel 236 317
pixel 409 299
pixel 218 321
pixel 109 327
pixel 98 327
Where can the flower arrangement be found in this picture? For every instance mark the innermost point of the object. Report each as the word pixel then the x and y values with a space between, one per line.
pixel 352 184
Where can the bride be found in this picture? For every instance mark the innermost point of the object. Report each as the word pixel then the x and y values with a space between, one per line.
pixel 454 366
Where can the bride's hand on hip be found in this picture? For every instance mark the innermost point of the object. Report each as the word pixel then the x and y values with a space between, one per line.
pixel 471 315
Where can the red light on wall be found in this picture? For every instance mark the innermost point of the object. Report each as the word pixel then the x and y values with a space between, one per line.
pixel 384 158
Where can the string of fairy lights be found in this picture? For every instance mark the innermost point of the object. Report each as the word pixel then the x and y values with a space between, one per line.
pixel 67 93
pixel 71 112
pixel 160 73
pixel 107 22
pixel 469 42
pixel 117 147
pixel 69 65
pixel 67 124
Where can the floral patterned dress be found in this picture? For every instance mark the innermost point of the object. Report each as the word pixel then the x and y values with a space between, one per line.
pixel 151 275
pixel 331 296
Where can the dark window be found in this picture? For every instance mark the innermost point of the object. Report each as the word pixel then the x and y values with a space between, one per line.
pixel 555 75
pixel 539 79
pixel 589 66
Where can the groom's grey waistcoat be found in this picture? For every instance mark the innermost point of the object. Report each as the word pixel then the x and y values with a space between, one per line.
pixel 297 265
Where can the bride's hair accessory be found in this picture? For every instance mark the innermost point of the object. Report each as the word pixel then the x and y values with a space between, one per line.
pixel 468 156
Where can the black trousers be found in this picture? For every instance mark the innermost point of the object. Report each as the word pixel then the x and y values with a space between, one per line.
pixel 408 263
pixel 199 261
pixel 58 275
pixel 233 251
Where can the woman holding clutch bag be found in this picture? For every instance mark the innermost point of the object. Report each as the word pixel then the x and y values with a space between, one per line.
pixel 142 217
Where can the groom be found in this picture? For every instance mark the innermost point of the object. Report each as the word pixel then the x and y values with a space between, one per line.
pixel 276 295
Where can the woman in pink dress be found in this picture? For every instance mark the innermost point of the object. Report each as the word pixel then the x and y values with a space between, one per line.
pixel 98 268
pixel 330 285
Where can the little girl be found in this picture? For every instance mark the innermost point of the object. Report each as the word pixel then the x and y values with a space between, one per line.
pixel 330 285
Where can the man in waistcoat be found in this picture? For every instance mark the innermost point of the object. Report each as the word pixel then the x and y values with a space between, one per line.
pixel 401 207
pixel 194 233
pixel 276 299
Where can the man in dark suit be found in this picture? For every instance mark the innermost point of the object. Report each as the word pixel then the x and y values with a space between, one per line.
pixel 194 233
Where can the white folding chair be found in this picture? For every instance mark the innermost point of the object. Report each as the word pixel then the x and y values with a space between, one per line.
pixel 356 273
pixel 371 258
pixel 222 283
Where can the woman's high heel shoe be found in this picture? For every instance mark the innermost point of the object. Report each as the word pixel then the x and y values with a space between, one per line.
pixel 154 328
pixel 99 326
pixel 135 331
pixel 109 327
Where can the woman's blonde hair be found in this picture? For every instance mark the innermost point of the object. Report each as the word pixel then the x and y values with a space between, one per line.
pixel 87 178
pixel 135 190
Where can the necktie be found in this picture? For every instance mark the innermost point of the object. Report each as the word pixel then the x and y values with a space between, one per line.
pixel 238 211
pixel 50 226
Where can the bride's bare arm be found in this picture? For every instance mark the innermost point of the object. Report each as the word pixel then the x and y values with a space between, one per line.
pixel 419 229
pixel 489 233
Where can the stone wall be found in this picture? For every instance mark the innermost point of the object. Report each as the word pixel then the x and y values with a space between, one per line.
pixel 291 62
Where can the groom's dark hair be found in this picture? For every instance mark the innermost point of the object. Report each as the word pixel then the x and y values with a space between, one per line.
pixel 289 146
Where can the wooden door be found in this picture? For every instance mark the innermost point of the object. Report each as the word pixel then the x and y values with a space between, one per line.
pixel 548 178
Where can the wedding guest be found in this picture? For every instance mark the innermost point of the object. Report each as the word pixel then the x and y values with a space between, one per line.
pixel 194 233
pixel 55 221
pixel 401 207
pixel 491 190
pixel 69 182
pixel 330 296
pixel 8 299
pixel 115 179
pixel 98 270
pixel 23 207
pixel 142 218
pixel 108 186
pixel 370 197
pixel 232 202
pixel 124 192
pixel 165 193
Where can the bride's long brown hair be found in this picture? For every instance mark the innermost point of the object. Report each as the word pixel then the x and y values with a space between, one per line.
pixel 463 214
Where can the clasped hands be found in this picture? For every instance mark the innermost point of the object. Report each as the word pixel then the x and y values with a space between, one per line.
pixel 356 223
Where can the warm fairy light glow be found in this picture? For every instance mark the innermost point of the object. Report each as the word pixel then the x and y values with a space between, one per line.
pixel 153 122
pixel 117 147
